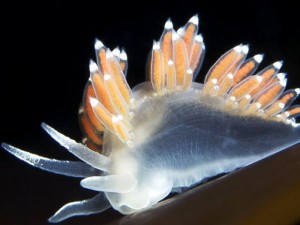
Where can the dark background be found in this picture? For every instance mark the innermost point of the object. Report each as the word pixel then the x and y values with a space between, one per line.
pixel 45 49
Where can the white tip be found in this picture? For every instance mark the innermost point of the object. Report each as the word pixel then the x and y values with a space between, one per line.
pixel 283 82
pixel 288 121
pixel 120 117
pixel 232 98
pixel 248 96
pixel 258 58
pixel 170 62
pixel 169 25
pixel 297 90
pixel 259 79
pixel 281 105
pixel 175 36
pixel 98 44
pixel 238 48
pixel 294 124
pixel 189 71
pixel 286 114
pixel 81 110
pixel 230 76
pixel 93 101
pixel 93 66
pixel 258 105
pixel 278 64
pixel 123 55
pixel 199 38
pixel 281 76
pixel 115 119
pixel 216 87
pixel 107 76
pixel 214 81
pixel 109 54
pixel 194 20
pixel 116 52
pixel 180 31
pixel 156 45
pixel 245 49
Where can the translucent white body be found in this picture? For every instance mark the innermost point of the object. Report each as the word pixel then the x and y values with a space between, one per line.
pixel 182 138
pixel 171 133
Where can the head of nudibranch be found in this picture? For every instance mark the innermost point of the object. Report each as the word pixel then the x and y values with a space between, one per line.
pixel 171 132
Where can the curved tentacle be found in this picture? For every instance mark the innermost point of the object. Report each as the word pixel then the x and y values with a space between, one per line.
pixel 121 183
pixel 67 168
pixel 92 158
pixel 97 204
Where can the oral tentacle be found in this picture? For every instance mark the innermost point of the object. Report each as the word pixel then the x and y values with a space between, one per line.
pixel 121 183
pixel 62 167
pixel 92 158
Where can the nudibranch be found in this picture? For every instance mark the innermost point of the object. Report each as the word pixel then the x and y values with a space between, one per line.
pixel 170 133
